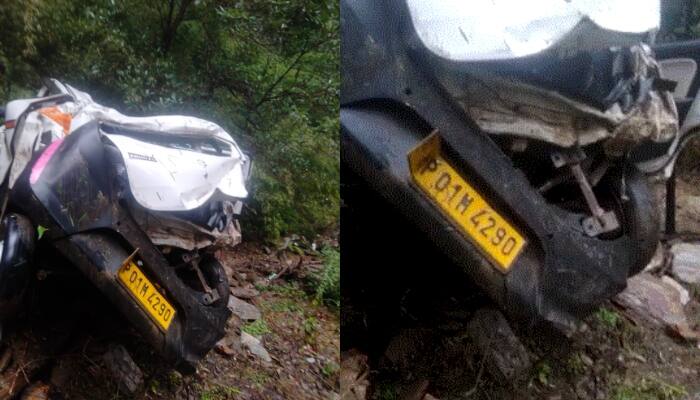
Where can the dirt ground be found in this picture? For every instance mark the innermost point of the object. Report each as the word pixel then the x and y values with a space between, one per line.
pixel 410 323
pixel 60 341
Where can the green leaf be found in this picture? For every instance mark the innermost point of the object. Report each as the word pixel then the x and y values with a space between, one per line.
pixel 40 230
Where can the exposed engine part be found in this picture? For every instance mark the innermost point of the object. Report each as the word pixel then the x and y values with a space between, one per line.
pixel 600 221
pixel 168 230
pixel 210 295
pixel 638 109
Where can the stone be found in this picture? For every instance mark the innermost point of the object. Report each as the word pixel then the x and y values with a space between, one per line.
pixel 242 309
pixel 254 345
pixel 224 348
pixel 354 375
pixel 415 391
pixel 123 368
pixel 657 302
pixel 37 391
pixel 244 292
pixel 62 372
pixel 505 355
pixel 686 262
pixel 682 292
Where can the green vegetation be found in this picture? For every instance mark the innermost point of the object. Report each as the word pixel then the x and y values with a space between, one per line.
pixel 329 369
pixel 608 318
pixel 220 392
pixel 385 391
pixel 258 378
pixel 575 364
pixel 648 389
pixel 543 372
pixel 257 328
pixel 310 326
pixel 680 20
pixel 328 281
pixel 266 71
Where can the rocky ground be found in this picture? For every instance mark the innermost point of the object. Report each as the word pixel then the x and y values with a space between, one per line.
pixel 280 343
pixel 406 334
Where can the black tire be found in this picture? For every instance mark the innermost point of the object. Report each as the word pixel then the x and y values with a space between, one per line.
pixel 640 219
pixel 215 274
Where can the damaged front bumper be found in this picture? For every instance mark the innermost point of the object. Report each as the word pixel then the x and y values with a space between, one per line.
pixel 560 275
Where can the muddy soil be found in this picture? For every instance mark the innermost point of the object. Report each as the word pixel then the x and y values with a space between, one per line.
pixel 406 308
pixel 60 338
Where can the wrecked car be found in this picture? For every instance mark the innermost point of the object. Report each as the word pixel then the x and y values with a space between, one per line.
pixel 517 137
pixel 137 204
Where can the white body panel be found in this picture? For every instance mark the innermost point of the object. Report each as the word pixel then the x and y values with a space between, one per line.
pixel 501 29
pixel 169 179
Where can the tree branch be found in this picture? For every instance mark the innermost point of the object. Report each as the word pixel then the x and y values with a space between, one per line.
pixel 266 94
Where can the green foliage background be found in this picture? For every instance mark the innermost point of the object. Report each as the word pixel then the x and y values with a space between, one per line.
pixel 266 70
pixel 680 20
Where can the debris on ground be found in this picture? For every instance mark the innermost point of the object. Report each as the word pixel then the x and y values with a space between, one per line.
pixel 22 357
pixel 123 368
pixel 354 374
pixel 686 262
pixel 254 345
pixel 415 391
pixel 242 309
pixel 407 348
pixel 36 391
pixel 61 373
pixel 228 345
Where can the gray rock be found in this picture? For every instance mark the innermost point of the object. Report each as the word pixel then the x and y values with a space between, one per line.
pixel 656 301
pixel 506 357
pixel 255 347
pixel 657 261
pixel 37 391
pixel 354 373
pixel 682 292
pixel 123 368
pixel 686 262
pixel 414 391
pixel 244 311
pixel 244 292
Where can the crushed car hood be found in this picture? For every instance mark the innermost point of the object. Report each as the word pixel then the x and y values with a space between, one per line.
pixel 503 29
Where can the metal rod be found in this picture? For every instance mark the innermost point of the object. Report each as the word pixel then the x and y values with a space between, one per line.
pixel 671 204
pixel 587 191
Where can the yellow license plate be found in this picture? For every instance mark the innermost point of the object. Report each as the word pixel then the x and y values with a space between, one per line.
pixel 463 205
pixel 146 294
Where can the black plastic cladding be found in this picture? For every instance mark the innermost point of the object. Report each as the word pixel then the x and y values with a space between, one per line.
pixel 75 189
pixel 16 261
pixel 562 273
